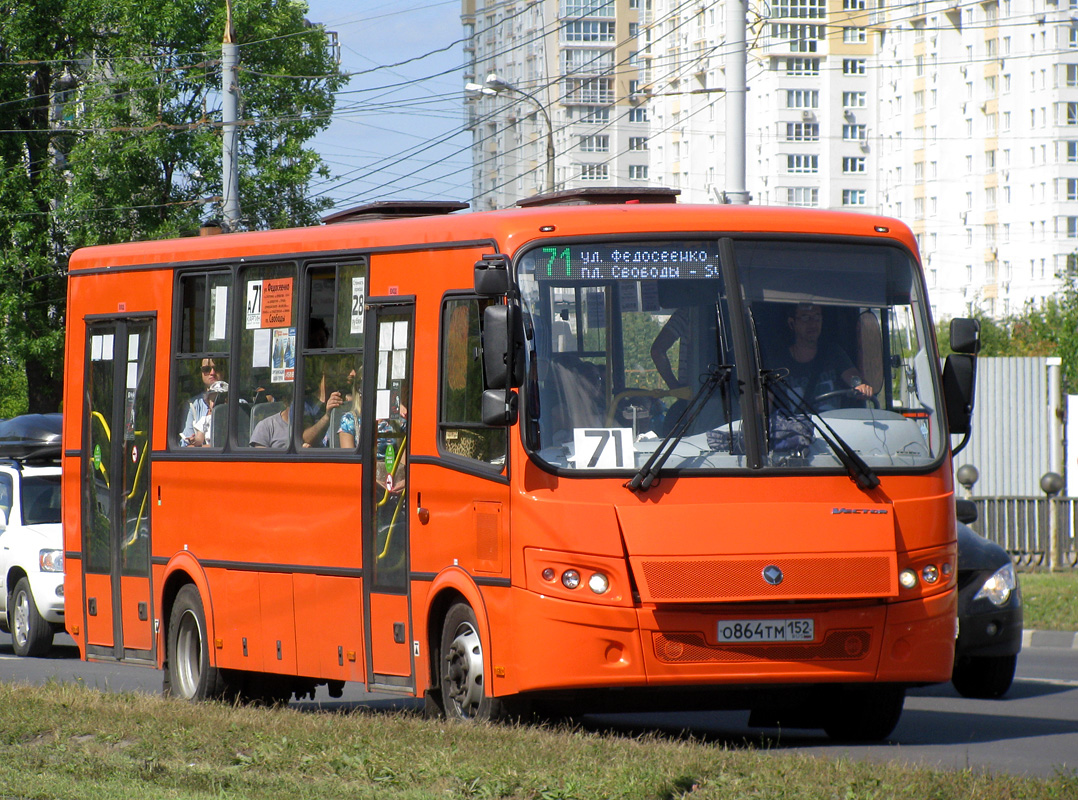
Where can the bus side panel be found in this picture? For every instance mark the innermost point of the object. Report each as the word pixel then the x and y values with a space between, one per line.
pixel 99 629
pixel 334 652
pixel 237 618
pixel 278 623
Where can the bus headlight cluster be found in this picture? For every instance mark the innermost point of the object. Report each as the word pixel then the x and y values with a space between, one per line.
pixel 929 574
pixel 571 579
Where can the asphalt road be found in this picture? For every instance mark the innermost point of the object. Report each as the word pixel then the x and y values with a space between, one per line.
pixel 1033 730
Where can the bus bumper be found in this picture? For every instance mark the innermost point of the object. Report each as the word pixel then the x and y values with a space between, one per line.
pixel 568 645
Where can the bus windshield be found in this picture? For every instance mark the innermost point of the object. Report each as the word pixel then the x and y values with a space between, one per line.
pixel 634 343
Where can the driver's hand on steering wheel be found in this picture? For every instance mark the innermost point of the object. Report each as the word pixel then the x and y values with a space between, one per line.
pixel 864 390
pixel 683 392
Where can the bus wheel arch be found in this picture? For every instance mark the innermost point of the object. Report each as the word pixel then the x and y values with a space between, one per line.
pixel 184 584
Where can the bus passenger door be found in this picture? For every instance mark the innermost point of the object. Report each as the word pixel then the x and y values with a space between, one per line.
pixel 384 440
pixel 117 610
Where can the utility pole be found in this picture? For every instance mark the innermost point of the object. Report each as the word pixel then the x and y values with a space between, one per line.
pixel 230 91
pixel 736 56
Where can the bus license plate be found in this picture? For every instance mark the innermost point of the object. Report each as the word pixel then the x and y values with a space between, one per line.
pixel 766 630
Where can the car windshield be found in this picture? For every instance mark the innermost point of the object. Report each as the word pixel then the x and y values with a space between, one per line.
pixel 634 343
pixel 40 499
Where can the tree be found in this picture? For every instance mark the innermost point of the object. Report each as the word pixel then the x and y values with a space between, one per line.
pixel 1048 328
pixel 113 133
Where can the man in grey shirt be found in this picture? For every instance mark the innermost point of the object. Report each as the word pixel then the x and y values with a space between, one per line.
pixel 273 431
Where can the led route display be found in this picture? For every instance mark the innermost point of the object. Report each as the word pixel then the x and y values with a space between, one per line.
pixel 645 261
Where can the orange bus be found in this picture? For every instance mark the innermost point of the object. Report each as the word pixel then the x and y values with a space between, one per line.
pixel 605 455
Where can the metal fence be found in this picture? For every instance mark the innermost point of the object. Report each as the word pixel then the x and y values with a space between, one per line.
pixel 1038 532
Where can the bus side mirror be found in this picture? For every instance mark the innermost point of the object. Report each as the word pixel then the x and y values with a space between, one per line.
pixel 503 346
pixel 491 278
pixel 959 377
pixel 965 335
pixel 499 407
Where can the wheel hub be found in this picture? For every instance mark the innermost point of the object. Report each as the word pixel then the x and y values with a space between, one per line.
pixel 464 671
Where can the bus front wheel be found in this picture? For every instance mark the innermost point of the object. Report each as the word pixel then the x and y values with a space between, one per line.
pixel 461 672
pixel 188 673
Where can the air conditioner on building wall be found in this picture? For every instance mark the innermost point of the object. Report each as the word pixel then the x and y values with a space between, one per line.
pixel 807 115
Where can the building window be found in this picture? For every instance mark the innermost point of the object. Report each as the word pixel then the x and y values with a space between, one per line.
pixel 853 66
pixel 802 131
pixel 854 133
pixel 586 60
pixel 587 8
pixel 594 172
pixel 600 143
pixel 854 35
pixel 802 164
pixel 853 164
pixel 807 196
pixel 853 197
pixel 589 91
pixel 798 38
pixel 1072 152
pixel 1072 188
pixel 853 5
pixel 638 172
pixel 854 100
pixel 638 143
pixel 584 30
pixel 798 9
pixel 638 114
pixel 593 114
pixel 802 66
pixel 802 98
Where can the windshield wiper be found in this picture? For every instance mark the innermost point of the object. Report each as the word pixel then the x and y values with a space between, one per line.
pixel 859 471
pixel 647 474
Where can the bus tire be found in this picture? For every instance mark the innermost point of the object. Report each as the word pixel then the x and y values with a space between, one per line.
pixel 461 671
pixel 188 673
pixel 863 713
pixel 31 634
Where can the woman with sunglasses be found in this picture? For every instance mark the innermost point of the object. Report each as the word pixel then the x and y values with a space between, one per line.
pixel 212 370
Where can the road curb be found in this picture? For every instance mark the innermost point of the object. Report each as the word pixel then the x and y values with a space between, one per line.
pixel 1065 639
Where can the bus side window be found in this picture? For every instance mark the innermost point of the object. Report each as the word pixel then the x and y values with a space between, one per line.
pixel 266 372
pixel 201 358
pixel 460 429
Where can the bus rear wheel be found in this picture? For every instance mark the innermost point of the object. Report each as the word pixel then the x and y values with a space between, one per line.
pixel 188 673
pixel 461 672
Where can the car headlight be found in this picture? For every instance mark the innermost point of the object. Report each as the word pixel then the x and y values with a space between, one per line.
pixel 998 588
pixel 51 560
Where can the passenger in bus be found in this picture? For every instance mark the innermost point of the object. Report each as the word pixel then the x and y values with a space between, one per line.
pixel 216 395
pixel 273 431
pixel 197 407
pixel 815 370
pixel 331 392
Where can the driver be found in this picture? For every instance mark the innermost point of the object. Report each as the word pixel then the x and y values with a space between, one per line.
pixel 815 370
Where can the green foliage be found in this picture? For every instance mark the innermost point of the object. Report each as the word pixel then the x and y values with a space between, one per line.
pixel 112 127
pixel 1049 328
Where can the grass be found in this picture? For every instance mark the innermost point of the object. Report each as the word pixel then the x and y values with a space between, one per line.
pixel 1050 600
pixel 65 741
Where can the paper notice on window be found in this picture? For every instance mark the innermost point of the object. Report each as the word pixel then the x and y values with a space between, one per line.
pixel 219 313
pixel 260 353
pixel 283 355
pixel 400 335
pixel 254 305
pixel 381 410
pixel 359 297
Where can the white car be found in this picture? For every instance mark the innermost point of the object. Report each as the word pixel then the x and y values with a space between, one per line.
pixel 31 537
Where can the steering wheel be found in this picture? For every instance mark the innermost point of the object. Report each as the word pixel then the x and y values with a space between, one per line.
pixel 847 393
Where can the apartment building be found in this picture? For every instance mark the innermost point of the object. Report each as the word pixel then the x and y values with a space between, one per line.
pixel 556 71
pixel 961 118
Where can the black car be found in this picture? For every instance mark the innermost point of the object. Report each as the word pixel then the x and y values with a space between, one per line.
pixel 989 613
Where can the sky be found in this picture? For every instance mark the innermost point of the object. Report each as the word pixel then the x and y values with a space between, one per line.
pixel 397 131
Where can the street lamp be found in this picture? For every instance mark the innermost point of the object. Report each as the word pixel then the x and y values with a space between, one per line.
pixel 493 85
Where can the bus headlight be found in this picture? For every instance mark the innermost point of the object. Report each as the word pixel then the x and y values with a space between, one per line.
pixel 598 583
pixel 997 589
pixel 570 579
pixel 908 578
pixel 51 560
